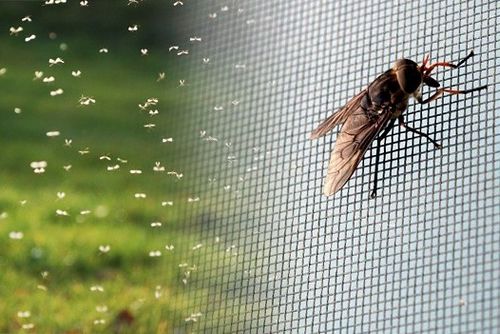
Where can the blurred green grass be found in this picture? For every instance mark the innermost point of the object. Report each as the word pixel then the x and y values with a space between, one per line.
pixel 52 269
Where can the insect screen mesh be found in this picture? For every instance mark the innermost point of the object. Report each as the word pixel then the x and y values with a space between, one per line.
pixel 423 256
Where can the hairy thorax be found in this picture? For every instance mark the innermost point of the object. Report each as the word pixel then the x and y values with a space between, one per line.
pixel 385 95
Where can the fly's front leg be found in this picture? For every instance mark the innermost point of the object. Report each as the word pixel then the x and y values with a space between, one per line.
pixel 431 98
pixel 377 155
pixel 404 125
pixel 441 91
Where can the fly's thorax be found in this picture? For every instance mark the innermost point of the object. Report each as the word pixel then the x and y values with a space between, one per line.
pixel 408 75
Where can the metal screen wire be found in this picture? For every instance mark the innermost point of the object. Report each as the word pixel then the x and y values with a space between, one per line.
pixel 424 256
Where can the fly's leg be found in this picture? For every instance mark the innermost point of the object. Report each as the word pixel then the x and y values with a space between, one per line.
pixel 431 98
pixel 441 91
pixel 377 155
pixel 429 69
pixel 404 125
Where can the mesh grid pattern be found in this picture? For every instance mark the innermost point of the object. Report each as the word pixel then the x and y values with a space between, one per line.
pixel 421 257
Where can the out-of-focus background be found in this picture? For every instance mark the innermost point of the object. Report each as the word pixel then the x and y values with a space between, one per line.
pixel 93 104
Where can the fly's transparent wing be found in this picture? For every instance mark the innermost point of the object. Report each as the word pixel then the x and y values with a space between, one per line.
pixel 338 117
pixel 356 135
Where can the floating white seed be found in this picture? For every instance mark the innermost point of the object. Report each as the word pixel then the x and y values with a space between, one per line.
pixel 104 248
pixel 155 253
pixel 38 75
pixel 56 92
pixel 85 212
pixel 26 18
pixel 84 3
pixel 54 2
pixel 38 164
pixel 198 246
pixel 193 199
pixel 178 3
pixel 158 167
pixel 195 39
pixel 56 61
pixel 84 151
pixel 133 28
pixel 183 52
pixel 177 175
pixel 53 133
pixel 86 100
pixel 206 60
pixel 16 235
pixel 17 110
pixel 48 79
pixel 144 52
pixel 28 326
pixel 167 203
pixel 173 47
pixel 140 195
pixel 101 308
pixel 15 31
pixel 67 167
pixel 167 140
pixel 161 76
pixel 135 171
pixel 60 212
pixel 99 322
pixel 96 288
pixel 30 38
pixel 23 314
pixel 3 70
pixel 156 224
pixel 61 194
pixel 158 292
pixel 103 50
pixel 76 73
pixel 169 247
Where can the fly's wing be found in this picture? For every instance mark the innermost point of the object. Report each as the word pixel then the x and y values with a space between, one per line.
pixel 356 135
pixel 338 117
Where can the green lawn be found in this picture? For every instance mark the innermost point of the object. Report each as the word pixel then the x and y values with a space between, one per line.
pixel 57 270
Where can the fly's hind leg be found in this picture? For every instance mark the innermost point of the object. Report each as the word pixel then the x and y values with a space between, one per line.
pixel 377 155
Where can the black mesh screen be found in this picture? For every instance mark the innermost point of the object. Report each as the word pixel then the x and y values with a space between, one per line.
pixel 281 257
pixel 188 198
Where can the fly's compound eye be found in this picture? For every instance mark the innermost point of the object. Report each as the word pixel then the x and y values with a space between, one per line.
pixel 409 78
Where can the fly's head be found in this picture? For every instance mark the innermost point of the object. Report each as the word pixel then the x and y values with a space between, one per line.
pixel 411 76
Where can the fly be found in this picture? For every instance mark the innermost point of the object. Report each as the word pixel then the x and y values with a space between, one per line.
pixel 377 108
